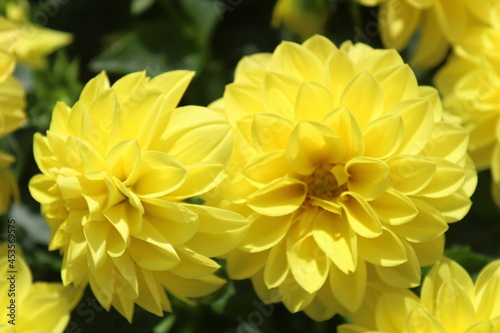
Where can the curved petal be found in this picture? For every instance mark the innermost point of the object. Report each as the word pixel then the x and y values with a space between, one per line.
pixel 398 21
pixel 340 71
pixel 337 240
pixel 314 101
pixel 364 98
pixel 385 250
pixel 454 307
pixel 394 208
pixel 277 267
pixel 343 123
pixel 312 144
pixel 360 215
pixel 265 232
pixel 280 197
pixel 244 265
pixel 268 167
pixel 349 289
pixel 270 132
pixel 367 177
pixel 406 275
pixel 410 174
pixel 298 61
pixel 383 136
pixel 308 266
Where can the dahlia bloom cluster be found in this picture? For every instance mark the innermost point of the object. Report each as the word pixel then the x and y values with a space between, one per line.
pixel 39 306
pixel 11 108
pixel 117 168
pixel 441 23
pixel 346 170
pixel 469 82
pixel 449 302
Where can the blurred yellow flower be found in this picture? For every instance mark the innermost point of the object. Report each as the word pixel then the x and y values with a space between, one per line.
pixel 344 166
pixel 304 17
pixel 470 84
pixel 37 307
pixel 439 22
pixel 449 302
pixel 35 42
pixel 117 167
pixel 11 109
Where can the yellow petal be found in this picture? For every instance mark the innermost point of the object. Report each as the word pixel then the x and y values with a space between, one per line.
pixel 394 208
pixel 277 266
pixel 311 145
pixel 153 256
pixel 384 250
pixel 320 46
pixel 367 177
pixel 488 292
pixel 308 265
pixel 406 275
pixel 160 174
pixel 392 310
pixel 192 265
pixel 295 298
pixel 187 288
pixel 349 289
pixel 427 225
pixel 428 253
pixel 297 61
pixel 280 197
pixel 268 167
pixel 265 232
pixel 420 321
pixel 397 84
pixel 448 141
pixel 243 265
pixel 444 270
pixel 433 44
pixel 397 25
pixel 123 161
pixel 336 239
pixel 219 230
pixel 343 123
pixel 418 121
pixel 243 99
pixel 280 93
pixel 383 136
pixel 190 123
pixel 270 132
pixel 487 326
pixel 363 98
pixel 454 308
pixel 448 179
pixel 340 71
pixel 201 178
pixel 410 174
pixel 314 101
pixel 360 215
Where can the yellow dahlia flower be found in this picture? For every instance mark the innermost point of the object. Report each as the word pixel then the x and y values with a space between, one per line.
pixel 117 167
pixel 449 302
pixel 304 17
pixel 11 109
pixel 27 306
pixel 344 166
pixel 35 42
pixel 470 86
pixel 440 22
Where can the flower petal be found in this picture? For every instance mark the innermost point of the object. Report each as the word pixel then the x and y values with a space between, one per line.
pixel 265 232
pixel 309 266
pixel 406 275
pixel 360 215
pixel 349 289
pixel 343 123
pixel 277 266
pixel 312 144
pixel 410 173
pixel 383 136
pixel 367 177
pixel 314 101
pixel 394 208
pixel 270 132
pixel 298 61
pixel 280 197
pixel 335 237
pixel 385 250
pixel 363 97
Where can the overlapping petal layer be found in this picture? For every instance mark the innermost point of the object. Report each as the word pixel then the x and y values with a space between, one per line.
pixel 440 23
pixel 117 168
pixel 449 302
pixel 469 84
pixel 346 170
pixel 32 306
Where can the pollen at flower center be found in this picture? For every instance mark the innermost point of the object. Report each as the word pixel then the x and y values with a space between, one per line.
pixel 322 184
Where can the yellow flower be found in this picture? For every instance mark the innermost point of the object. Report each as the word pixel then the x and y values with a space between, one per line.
pixel 449 302
pixel 35 42
pixel 11 109
pixel 37 307
pixel 304 17
pixel 117 167
pixel 344 166
pixel 469 82
pixel 440 22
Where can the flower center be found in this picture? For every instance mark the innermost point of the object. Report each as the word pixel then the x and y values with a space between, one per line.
pixel 322 184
